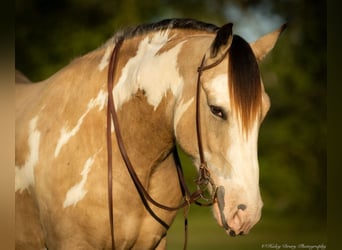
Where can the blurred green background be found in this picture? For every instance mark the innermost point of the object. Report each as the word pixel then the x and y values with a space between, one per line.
pixel 292 141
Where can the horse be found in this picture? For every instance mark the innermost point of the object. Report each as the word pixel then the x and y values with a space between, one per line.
pixel 175 82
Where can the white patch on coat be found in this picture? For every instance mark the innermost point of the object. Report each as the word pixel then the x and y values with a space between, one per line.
pixel 217 91
pixel 239 157
pixel 77 192
pixel 243 157
pixel 24 175
pixel 105 59
pixel 154 73
pixel 242 152
pixel 65 134
pixel 100 100
pixel 242 168
pixel 179 112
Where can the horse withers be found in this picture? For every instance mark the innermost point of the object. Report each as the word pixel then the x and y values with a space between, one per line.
pixel 179 81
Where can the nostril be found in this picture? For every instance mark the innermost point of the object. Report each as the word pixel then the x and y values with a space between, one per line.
pixel 242 207
pixel 232 233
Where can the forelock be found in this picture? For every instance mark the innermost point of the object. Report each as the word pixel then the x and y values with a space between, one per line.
pixel 245 88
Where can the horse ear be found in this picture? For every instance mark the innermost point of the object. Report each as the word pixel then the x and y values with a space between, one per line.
pixel 222 41
pixel 265 44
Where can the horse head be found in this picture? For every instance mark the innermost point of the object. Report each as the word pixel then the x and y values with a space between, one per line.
pixel 232 104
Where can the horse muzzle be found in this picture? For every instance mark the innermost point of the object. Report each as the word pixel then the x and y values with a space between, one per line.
pixel 238 218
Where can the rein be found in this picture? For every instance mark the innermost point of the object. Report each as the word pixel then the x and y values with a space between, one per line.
pixel 204 175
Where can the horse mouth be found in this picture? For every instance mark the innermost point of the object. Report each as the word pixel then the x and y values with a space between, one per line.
pixel 220 192
pixel 221 204
pixel 238 224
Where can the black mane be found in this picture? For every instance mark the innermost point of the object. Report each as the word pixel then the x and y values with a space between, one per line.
pixel 175 23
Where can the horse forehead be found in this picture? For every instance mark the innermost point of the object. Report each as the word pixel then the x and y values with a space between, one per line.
pixel 217 89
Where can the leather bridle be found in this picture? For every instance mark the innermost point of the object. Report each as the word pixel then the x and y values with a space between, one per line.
pixel 203 179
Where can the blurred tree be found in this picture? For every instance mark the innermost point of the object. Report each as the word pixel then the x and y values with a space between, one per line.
pixel 294 135
pixel 292 139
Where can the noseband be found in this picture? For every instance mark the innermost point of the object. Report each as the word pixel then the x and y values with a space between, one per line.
pixel 203 180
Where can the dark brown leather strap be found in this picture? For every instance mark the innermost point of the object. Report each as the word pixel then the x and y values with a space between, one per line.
pixel 204 174
pixel 111 69
pixel 112 116
pixel 198 113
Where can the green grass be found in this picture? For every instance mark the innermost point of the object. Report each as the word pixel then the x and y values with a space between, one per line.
pixel 269 233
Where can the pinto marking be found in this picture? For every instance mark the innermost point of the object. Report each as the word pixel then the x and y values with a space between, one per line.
pixel 66 134
pixel 179 112
pixel 243 148
pixel 217 90
pixel 77 192
pixel 24 175
pixel 149 68
pixel 105 59
pixel 153 72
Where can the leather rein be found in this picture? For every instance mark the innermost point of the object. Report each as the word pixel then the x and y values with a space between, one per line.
pixel 204 175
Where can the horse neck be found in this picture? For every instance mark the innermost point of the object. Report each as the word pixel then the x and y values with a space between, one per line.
pixel 147 133
pixel 153 76
pixel 149 83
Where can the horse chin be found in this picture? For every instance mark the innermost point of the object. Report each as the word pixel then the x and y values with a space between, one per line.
pixel 239 223
pixel 223 222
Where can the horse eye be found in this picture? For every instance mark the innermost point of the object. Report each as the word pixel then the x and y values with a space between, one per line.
pixel 217 111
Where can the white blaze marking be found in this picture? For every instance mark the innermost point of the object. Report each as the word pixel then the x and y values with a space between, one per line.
pixel 66 134
pixel 24 175
pixel 241 156
pixel 244 150
pixel 242 163
pixel 77 192
pixel 105 59
pixel 152 72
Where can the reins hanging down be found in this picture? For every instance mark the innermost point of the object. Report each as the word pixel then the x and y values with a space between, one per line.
pixel 112 116
pixel 204 175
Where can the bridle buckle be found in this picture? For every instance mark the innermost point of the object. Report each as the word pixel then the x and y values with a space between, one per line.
pixel 204 183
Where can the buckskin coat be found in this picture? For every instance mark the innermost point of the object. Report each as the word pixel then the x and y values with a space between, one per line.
pixel 61 153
